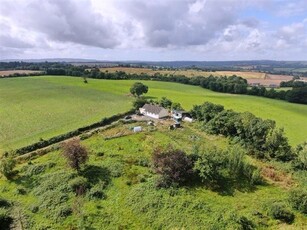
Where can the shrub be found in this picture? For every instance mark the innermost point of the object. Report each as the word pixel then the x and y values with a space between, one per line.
pixel 79 185
pixel 277 145
pixel 5 219
pixel 209 165
pixel 173 166
pixel 206 111
pixel 4 203
pixel 96 192
pixel 280 211
pixel 298 200
pixel 34 208
pixel 116 169
pixel 20 191
pixel 139 102
pixel 6 166
pixel 214 166
pixel 300 161
pixel 100 154
pixel 75 153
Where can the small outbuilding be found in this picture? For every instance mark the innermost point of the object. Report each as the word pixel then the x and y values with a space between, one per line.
pixel 137 129
pixel 179 115
pixel 154 111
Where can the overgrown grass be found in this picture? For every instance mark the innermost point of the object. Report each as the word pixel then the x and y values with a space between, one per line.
pixel 119 173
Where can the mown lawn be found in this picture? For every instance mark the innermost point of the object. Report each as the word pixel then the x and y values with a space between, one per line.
pixel 41 107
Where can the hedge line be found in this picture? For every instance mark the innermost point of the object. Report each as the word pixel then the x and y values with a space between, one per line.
pixel 62 137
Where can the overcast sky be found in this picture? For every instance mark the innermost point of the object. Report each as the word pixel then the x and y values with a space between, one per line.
pixel 159 30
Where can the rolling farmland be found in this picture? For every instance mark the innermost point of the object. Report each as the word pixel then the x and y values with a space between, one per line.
pixel 41 107
pixel 4 73
pixel 188 73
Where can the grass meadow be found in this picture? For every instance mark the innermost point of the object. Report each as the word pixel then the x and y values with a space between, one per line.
pixel 41 107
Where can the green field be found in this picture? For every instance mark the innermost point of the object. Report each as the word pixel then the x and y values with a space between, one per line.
pixel 42 194
pixel 41 107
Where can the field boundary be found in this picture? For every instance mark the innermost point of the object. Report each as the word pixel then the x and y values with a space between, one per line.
pixel 83 132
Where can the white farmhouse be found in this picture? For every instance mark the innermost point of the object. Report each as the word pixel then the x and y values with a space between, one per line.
pixel 154 111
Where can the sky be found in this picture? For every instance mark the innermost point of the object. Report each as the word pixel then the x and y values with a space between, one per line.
pixel 154 30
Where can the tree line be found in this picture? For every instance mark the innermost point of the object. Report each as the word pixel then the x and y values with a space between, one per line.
pixel 233 84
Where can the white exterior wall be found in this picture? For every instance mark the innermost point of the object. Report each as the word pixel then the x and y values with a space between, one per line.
pixel 156 116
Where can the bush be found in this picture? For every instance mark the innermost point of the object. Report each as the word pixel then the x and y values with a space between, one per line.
pixel 173 166
pixel 4 203
pixel 6 166
pixel 209 165
pixel 206 111
pixel 214 166
pixel 280 211
pixel 298 200
pixel 79 185
pixel 300 161
pixel 277 146
pixel 116 169
pixel 96 192
pixel 75 153
pixel 5 219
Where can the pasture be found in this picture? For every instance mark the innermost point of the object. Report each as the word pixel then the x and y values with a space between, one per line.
pixel 41 107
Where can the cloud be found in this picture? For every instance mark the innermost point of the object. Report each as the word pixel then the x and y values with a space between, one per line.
pixel 192 28
pixel 69 21
pixel 170 23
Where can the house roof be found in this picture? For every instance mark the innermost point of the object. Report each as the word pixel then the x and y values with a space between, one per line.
pixel 152 108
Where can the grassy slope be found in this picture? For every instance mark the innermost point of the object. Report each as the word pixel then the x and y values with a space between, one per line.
pixel 32 108
pixel 45 106
pixel 291 117
pixel 139 206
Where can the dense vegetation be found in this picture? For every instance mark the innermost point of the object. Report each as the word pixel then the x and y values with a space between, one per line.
pixel 127 182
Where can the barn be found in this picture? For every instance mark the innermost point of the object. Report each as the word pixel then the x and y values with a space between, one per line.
pixel 154 111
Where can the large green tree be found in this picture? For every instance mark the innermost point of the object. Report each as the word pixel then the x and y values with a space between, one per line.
pixel 138 89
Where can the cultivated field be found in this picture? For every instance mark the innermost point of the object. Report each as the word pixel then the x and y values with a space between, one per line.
pixel 270 79
pixel 188 73
pixel 41 107
pixel 252 77
pixel 4 73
